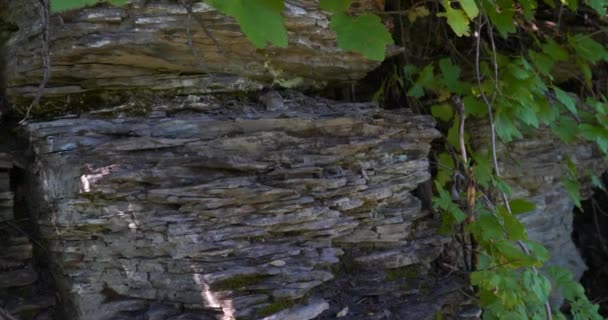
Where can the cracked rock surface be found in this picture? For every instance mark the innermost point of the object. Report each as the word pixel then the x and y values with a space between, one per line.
pixel 235 211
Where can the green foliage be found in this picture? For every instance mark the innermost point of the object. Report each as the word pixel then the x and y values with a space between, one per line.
pixel 456 18
pixel 260 20
pixel 470 7
pixel 521 206
pixel 507 279
pixel 444 111
pixel 63 5
pixel 364 34
pixel 444 202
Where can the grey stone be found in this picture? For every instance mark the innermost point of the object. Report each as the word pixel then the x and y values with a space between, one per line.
pixel 305 312
pixel 211 210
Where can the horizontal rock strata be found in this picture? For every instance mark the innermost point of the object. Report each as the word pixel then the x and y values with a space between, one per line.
pixel 237 211
pixel 152 45
pixel 21 293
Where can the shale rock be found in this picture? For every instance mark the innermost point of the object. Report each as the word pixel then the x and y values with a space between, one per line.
pixel 21 292
pixel 159 45
pixel 230 213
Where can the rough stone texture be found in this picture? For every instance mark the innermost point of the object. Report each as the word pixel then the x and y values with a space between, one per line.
pixel 231 211
pixel 145 45
pixel 21 293
pixel 533 168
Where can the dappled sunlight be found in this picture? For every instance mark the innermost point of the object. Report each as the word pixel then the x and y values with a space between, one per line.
pixel 86 180
pixel 211 300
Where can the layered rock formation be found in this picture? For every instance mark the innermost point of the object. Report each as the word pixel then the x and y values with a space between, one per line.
pixel 159 203
pixel 160 46
pixel 236 211
pixel 21 292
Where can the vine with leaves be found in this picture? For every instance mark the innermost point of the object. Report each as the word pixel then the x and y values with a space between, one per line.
pixel 514 91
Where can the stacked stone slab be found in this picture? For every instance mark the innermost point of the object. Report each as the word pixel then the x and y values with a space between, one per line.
pixel 158 45
pixel 226 214
pixel 20 291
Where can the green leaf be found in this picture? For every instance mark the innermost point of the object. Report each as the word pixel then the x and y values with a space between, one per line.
pixel 473 106
pixel 565 99
pixel 597 182
pixel 502 18
pixel 598 5
pixel 426 79
pixel 451 74
pixel 457 19
pixel 555 51
pixel 416 91
pixel 444 202
pixel 482 169
pixel 558 315
pixel 444 169
pixel 505 128
pixel 573 190
pixel 519 206
pixel 260 20
pixel 63 5
pixel 335 6
pixel 417 12
pixel 571 168
pixel 543 62
pixel 547 113
pixel 595 133
pixel 409 71
pixel 566 129
pixel 514 228
pixel 528 6
pixel 601 107
pixel 586 70
pixel 572 4
pixel 444 112
pixel 582 308
pixel 470 7
pixel 538 284
pixel 537 251
pixel 453 136
pixel 364 34
pixel 563 279
pixel 587 48
pixel 486 228
pixel 513 254
pixel 501 185
pixel 527 115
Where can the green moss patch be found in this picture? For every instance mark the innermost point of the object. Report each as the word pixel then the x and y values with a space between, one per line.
pixel 276 306
pixel 239 282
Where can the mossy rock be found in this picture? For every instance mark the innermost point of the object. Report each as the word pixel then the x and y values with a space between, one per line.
pixel 239 282
pixel 276 306
pixel 403 273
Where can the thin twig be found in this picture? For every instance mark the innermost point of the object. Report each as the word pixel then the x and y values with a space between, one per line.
pixel 16 227
pixel 493 132
pixel 200 21
pixel 6 315
pixel 46 57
